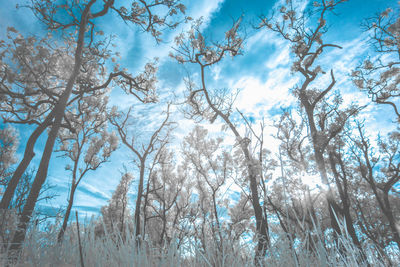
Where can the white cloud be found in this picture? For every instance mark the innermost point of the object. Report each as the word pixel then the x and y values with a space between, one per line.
pixel 257 96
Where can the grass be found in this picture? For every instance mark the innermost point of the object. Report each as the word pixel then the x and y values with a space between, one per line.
pixel 112 249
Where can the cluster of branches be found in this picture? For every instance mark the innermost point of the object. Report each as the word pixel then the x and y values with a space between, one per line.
pixel 59 83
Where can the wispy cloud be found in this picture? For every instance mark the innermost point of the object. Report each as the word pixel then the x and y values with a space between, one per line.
pixel 91 191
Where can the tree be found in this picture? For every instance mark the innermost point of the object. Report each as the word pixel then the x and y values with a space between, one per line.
pixel 89 146
pixel 116 213
pixel 31 82
pixel 325 117
pixel 168 197
pixel 211 165
pixel 240 218
pixel 9 217
pixel 80 24
pixel 296 204
pixel 342 175
pixel 142 151
pixel 380 168
pixel 296 151
pixel 379 78
pixel 208 104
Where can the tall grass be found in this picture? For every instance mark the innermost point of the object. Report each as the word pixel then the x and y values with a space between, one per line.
pixel 113 249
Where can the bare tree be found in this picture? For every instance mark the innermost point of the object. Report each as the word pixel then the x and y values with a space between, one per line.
pixel 142 151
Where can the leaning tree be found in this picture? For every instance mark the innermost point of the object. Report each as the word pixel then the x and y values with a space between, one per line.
pixel 78 21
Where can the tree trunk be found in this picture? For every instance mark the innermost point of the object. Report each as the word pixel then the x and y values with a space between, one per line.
pixel 164 227
pixel 261 220
pixel 139 198
pixel 146 196
pixel 26 160
pixel 67 214
pixel 219 243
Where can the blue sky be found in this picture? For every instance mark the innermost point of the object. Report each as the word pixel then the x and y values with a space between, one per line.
pixel 262 74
